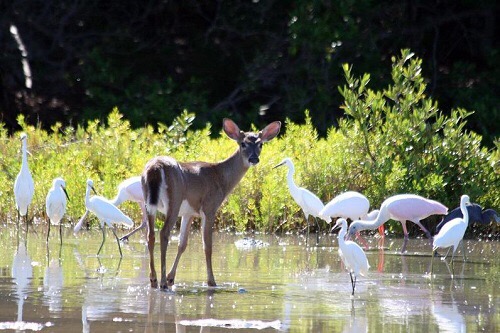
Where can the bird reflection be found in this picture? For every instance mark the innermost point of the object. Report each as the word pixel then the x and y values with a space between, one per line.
pixel 53 282
pixel 447 315
pixel 359 324
pixel 22 272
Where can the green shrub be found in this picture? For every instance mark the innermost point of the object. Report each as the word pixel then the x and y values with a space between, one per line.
pixel 391 141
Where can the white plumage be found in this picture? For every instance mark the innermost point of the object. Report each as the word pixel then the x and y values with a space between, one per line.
pixel 352 254
pixel 106 212
pixel 24 187
pixel 311 205
pixel 55 204
pixel 452 232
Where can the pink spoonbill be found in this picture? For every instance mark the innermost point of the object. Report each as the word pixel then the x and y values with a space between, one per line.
pixel 402 207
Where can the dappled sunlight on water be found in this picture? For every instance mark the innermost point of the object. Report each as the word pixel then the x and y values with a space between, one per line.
pixel 265 283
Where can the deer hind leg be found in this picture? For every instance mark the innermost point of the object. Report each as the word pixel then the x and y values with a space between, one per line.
pixel 183 240
pixel 151 247
pixel 207 223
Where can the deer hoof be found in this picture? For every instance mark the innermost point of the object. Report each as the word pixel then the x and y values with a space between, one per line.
pixel 154 283
pixel 212 283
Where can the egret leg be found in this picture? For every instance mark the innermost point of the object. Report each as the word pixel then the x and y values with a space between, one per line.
pixel 452 265
pixel 48 232
pixel 118 241
pixel 307 222
pixel 353 283
pixel 103 238
pixel 432 259
pixel 463 250
pixel 60 232
pixel 143 225
pixel 317 230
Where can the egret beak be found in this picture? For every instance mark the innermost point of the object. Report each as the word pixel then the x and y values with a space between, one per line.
pixel 64 190
pixel 93 189
pixel 278 165
pixel 335 227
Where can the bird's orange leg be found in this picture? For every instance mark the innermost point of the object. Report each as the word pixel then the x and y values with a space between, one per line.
pixel 362 240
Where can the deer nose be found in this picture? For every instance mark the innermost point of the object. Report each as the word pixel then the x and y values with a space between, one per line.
pixel 253 159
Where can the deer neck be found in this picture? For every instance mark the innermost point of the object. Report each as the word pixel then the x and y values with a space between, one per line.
pixel 232 170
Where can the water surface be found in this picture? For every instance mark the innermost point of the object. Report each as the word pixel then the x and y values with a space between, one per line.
pixel 284 286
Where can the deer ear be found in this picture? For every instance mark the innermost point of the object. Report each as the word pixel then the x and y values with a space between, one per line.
pixel 270 131
pixel 232 130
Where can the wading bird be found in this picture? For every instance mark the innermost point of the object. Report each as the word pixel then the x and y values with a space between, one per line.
pixel 310 204
pixel 106 212
pixel 350 205
pixel 476 216
pixel 55 204
pixel 131 190
pixel 452 232
pixel 352 254
pixel 24 188
pixel 402 208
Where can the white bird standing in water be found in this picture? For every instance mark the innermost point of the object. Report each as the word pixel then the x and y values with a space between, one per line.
pixel 350 205
pixel 309 202
pixel 128 190
pixel 24 188
pixel 55 204
pixel 352 254
pixel 106 212
pixel 452 232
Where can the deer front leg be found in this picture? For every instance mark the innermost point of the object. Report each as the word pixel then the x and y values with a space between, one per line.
pixel 151 247
pixel 183 240
pixel 207 223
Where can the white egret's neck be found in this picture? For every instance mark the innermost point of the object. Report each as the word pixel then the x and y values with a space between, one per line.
pixel 342 232
pixel 24 150
pixel 87 195
pixel 289 177
pixel 465 212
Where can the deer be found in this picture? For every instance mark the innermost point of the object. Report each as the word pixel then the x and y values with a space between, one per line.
pixel 195 189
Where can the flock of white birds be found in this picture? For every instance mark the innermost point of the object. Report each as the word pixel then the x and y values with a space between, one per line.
pixel 349 205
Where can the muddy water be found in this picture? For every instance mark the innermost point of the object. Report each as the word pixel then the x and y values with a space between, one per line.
pixel 283 286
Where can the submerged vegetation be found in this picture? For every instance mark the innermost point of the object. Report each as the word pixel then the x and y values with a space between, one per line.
pixel 393 140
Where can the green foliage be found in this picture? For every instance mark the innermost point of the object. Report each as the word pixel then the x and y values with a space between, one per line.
pixel 393 140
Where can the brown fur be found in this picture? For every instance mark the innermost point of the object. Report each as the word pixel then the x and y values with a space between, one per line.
pixel 167 184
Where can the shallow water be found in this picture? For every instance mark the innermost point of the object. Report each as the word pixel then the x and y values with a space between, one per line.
pixel 284 285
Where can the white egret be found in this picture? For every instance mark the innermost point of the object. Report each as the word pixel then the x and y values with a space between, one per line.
pixel 350 205
pixel 55 204
pixel 106 212
pixel 131 190
pixel 402 207
pixel 128 190
pixel 452 232
pixel 352 254
pixel 24 188
pixel 311 205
